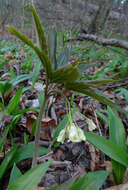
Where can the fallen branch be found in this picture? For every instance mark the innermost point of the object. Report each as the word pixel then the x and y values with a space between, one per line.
pixel 102 41
pixel 119 187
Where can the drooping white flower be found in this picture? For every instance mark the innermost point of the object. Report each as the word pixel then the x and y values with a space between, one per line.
pixel 91 124
pixel 62 135
pixel 73 133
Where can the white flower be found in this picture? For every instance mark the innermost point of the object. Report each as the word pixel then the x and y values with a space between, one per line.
pixel 62 135
pixel 73 132
pixel 91 124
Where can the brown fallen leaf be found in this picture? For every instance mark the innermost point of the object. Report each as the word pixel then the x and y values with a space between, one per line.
pixel 9 55
pixel 47 126
pixel 108 166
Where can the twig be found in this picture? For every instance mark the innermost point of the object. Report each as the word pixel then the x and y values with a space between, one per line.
pixel 102 41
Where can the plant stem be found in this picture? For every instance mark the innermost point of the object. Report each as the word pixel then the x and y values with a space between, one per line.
pixel 37 135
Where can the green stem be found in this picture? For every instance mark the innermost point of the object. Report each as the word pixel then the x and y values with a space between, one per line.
pixel 37 135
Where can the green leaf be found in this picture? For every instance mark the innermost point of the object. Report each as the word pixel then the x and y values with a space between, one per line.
pixel 21 36
pixel 52 47
pixel 63 57
pixel 96 94
pixel 27 152
pixel 13 104
pixel 42 56
pixel 90 181
pixel 6 161
pixel 5 87
pixel 20 78
pixel 35 73
pixel 15 174
pixel 116 129
pixel 117 135
pixel 109 148
pixel 30 179
pixel 3 138
pixel 39 29
pixel 98 82
pixel 64 74
pixel 64 186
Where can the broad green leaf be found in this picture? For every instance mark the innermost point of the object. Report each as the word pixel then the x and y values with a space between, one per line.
pixel 108 147
pixel 64 186
pixel 116 129
pixel 90 181
pixel 117 135
pixel 27 152
pixel 63 57
pixel 3 138
pixel 30 179
pixel 15 174
pixel 52 47
pixel 13 104
pixel 96 94
pixel 9 156
pixel 20 78
pixel 39 29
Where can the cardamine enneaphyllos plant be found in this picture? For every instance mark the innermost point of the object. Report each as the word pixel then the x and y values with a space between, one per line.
pixel 68 74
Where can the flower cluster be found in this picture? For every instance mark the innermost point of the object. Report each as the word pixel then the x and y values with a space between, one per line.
pixel 73 132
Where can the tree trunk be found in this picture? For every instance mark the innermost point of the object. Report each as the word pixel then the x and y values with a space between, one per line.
pixel 102 14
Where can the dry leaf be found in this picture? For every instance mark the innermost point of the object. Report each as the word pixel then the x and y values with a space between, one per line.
pixel 9 55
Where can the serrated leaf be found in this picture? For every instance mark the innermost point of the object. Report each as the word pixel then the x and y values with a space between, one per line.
pixel 42 56
pixel 30 179
pixel 21 36
pixel 108 147
pixel 64 74
pixel 40 30
pixel 90 181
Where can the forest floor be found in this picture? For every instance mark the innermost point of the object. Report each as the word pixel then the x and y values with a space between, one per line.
pixel 69 158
